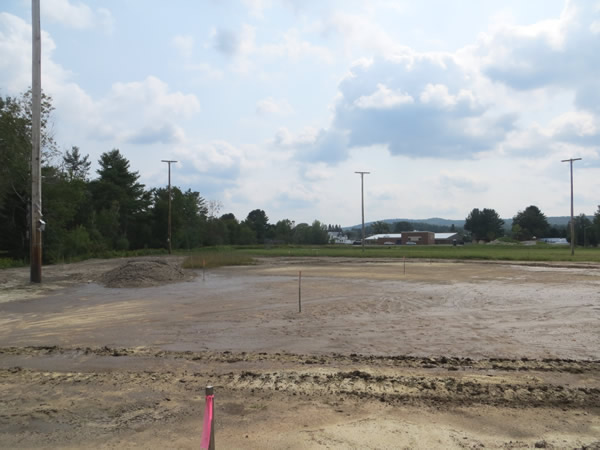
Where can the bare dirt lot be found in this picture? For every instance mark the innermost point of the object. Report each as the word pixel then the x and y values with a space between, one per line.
pixel 434 355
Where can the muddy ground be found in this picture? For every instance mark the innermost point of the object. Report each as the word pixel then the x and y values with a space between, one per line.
pixel 434 355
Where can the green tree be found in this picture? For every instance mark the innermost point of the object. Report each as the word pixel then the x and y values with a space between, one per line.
pixel 484 225
pixel 302 234
pixel 188 218
pixel 380 227
pixel 258 222
pixel 318 234
pixel 75 166
pixel 233 228
pixel 283 231
pixel 401 226
pixel 584 231
pixel 532 223
pixel 15 168
pixel 117 190
pixel 65 206
pixel 247 234
pixel 595 237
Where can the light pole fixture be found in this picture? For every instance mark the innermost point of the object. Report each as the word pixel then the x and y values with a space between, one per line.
pixel 362 206
pixel 570 161
pixel 168 161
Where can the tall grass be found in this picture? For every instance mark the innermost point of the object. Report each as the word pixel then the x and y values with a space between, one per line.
pixel 215 257
pixel 7 263
pixel 540 252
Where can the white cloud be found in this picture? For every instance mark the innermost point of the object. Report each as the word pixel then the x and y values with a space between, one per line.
pixel 318 172
pixel 383 98
pixel 77 15
pixel 284 138
pixel 361 34
pixel 15 57
pixel 461 181
pixel 575 124
pixel 184 45
pixel 559 52
pixel 139 112
pixel 257 7
pixel 150 98
pixel 294 48
pixel 438 95
pixel 215 158
pixel 247 54
pixel 226 41
pixel 427 107
pixel 270 105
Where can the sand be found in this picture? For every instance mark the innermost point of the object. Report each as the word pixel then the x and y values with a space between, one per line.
pixel 444 355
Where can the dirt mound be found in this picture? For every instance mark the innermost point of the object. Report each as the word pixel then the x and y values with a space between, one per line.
pixel 136 273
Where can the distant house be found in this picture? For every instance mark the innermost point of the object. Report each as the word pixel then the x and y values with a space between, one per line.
pixel 413 238
pixel 418 238
pixel 448 238
pixel 556 241
pixel 338 237
pixel 384 239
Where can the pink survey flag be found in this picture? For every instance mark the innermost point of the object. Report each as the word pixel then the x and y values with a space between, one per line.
pixel 208 418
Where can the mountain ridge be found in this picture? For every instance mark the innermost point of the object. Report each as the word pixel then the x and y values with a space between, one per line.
pixel 439 221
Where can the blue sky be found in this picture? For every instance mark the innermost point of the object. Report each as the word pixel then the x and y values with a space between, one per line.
pixel 275 104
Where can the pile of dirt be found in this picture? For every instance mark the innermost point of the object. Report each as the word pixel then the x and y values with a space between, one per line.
pixel 143 273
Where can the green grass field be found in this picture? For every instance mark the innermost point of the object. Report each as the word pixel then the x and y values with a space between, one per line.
pixel 218 256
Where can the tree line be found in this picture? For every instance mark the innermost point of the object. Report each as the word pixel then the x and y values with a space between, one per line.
pixel 531 223
pixel 486 225
pixel 112 212
pixel 115 212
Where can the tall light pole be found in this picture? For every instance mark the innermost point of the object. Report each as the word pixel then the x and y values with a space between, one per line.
pixel 570 161
pixel 362 206
pixel 169 161
pixel 35 234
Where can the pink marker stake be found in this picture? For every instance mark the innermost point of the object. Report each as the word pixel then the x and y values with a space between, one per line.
pixel 208 435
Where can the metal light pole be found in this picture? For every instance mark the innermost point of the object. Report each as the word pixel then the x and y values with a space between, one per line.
pixel 362 206
pixel 570 161
pixel 36 226
pixel 168 161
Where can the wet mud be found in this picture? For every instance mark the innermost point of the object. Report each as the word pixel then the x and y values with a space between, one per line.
pixel 448 355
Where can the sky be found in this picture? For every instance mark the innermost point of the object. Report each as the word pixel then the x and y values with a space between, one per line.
pixel 276 104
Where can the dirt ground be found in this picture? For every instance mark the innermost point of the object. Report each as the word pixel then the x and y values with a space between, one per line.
pixel 431 354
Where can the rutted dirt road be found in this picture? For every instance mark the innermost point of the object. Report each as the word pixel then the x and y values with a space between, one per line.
pixel 448 355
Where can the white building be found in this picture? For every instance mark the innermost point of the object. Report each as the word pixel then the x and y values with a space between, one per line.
pixel 338 237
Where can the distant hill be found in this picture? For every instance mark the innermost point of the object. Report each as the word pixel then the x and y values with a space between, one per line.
pixel 459 223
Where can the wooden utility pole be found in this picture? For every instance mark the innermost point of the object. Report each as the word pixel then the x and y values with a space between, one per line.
pixel 570 161
pixel 36 226
pixel 169 220
pixel 362 206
